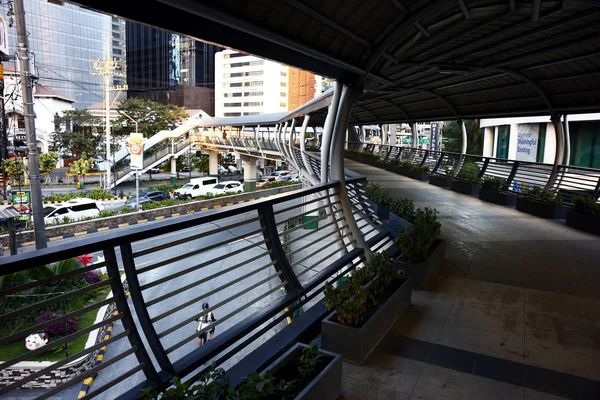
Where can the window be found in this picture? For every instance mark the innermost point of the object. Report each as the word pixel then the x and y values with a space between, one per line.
pixel 232 105
pixel 232 95
pixel 252 104
pixel 196 187
pixel 209 182
pixel 282 94
pixel 252 94
pixel 259 62
pixel 254 83
pixel 283 84
pixel 83 207
pixel 252 113
pixel 282 105
pixel 233 114
pixel 585 143
pixel 541 144
pixel 502 142
pixel 283 73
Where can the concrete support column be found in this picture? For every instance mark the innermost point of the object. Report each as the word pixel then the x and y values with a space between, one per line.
pixel 392 130
pixel 363 134
pixel 173 170
pixel 250 172
pixel 560 140
pixel 384 134
pixel 415 135
pixel 213 163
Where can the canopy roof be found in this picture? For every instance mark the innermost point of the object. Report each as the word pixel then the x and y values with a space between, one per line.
pixel 416 60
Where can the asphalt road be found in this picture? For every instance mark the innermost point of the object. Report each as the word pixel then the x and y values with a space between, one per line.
pixel 205 279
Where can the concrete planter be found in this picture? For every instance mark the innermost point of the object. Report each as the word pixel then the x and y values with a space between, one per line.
pixel 420 273
pixel 382 211
pixel 355 344
pixel 582 221
pixel 493 196
pixel 541 209
pixel 440 181
pixel 398 224
pixel 464 187
pixel 418 175
pixel 327 385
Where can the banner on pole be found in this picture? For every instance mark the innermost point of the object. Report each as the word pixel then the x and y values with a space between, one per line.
pixel 136 150
pixel 3 37
pixel 22 204
pixel 435 136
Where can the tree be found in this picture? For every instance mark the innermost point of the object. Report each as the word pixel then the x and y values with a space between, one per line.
pixel 152 117
pixel 201 163
pixel 452 137
pixel 14 167
pixel 47 163
pixel 82 137
pixel 81 166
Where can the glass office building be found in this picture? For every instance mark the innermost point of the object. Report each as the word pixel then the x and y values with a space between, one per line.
pixel 63 39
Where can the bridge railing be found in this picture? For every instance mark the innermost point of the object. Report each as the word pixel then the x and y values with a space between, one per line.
pixel 255 264
pixel 570 181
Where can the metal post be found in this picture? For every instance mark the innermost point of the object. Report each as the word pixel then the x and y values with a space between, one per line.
pixel 137 191
pixel 463 143
pixel 29 116
pixel 328 131
pixel 12 236
pixel 415 135
pixel 558 158
pixel 3 139
pixel 567 158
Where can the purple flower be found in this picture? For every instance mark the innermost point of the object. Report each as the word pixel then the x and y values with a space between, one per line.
pixel 57 329
pixel 92 277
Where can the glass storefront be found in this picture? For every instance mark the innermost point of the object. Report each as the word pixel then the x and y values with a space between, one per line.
pixel 503 141
pixel 585 143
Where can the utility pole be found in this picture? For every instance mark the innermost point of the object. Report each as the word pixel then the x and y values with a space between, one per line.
pixel 29 116
pixel 107 68
pixel 3 138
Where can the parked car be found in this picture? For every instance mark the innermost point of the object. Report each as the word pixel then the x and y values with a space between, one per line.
pixel 145 197
pixel 75 209
pixel 196 187
pixel 222 170
pixel 262 182
pixel 279 174
pixel 153 171
pixel 226 187
pixel 185 169
pixel 290 178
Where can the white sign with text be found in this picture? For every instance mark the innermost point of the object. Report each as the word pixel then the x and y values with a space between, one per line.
pixel 527 142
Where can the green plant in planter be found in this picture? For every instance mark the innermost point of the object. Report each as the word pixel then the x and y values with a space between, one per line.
pixel 395 162
pixel 450 173
pixel 546 196
pixel 404 208
pixel 421 169
pixel 415 244
pixel 493 183
pixel 407 164
pixel 377 195
pixel 587 205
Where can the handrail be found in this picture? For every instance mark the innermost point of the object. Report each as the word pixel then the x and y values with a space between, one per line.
pixel 570 181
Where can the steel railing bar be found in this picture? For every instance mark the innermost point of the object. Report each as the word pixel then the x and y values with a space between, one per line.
pixel 294 207
pixel 306 213
pixel 58 342
pixel 194 237
pixel 51 279
pixel 321 249
pixel 208 278
pixel 27 332
pixel 223 319
pixel 299 226
pixel 314 231
pixel 110 384
pixel 90 372
pixel 202 265
pixel 45 303
pixel 312 244
pixel 215 306
pixel 210 293
pixel 67 360
pixel 325 258
pixel 201 250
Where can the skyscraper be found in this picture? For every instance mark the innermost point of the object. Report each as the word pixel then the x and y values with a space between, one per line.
pixel 170 68
pixel 63 39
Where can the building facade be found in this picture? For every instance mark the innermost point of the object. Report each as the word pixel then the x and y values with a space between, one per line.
pixel 301 87
pixel 63 39
pixel 169 68
pixel 534 139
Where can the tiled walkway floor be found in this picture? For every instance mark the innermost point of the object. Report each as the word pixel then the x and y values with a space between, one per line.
pixel 516 307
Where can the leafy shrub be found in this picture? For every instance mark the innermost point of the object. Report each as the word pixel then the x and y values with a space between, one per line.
pixel 493 183
pixel 57 329
pixel 377 195
pixel 395 161
pixel 415 244
pixel 166 188
pixel 404 208
pixel 271 185
pixel 450 173
pixel 99 194
pixel 421 169
pixel 587 205
pixel 92 277
pixel 469 172
pixel 545 196
pixel 107 213
pixel 360 296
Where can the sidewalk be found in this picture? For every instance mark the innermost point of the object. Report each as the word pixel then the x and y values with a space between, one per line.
pixel 513 314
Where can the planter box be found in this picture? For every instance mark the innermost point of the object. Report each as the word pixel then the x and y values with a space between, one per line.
pixel 327 385
pixel 541 209
pixel 420 273
pixel 578 220
pixel 464 187
pixel 383 212
pixel 355 344
pixel 398 224
pixel 440 180
pixel 421 176
pixel 505 199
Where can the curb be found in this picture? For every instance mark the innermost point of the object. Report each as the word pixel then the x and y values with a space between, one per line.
pixel 8 203
pixel 124 225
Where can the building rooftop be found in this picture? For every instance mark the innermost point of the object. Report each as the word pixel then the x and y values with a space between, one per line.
pixel 45 91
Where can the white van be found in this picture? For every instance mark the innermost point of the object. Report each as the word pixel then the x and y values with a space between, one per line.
pixel 75 209
pixel 196 187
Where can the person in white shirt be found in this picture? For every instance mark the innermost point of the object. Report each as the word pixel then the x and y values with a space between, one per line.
pixel 203 322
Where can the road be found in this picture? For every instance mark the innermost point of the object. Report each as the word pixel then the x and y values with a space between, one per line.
pixel 242 251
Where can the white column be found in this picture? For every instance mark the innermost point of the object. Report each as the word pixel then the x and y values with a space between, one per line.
pixel 567 135
pixel 415 135
pixel 392 134
pixel 463 143
pixel 250 171
pixel 213 163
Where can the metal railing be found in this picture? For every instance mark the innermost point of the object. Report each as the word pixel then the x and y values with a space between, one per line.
pixel 570 181
pixel 255 264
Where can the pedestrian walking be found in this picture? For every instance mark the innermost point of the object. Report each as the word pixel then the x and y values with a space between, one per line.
pixel 203 322
pixel 8 192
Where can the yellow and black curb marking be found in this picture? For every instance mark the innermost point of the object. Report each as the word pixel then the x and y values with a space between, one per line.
pixel 124 225
pixel 87 382
pixel 8 203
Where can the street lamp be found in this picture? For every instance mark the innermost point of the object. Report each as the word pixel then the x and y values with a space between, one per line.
pixel 137 172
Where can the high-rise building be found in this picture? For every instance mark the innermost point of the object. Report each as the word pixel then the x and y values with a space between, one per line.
pixel 170 68
pixel 63 39
pixel 249 85
pixel 119 52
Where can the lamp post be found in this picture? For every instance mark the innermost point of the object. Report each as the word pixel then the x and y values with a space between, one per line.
pixel 137 172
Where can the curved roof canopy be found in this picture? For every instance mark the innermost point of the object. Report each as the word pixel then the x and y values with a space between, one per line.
pixel 415 60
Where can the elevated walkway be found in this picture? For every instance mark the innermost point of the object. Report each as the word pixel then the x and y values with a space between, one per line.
pixel 512 314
